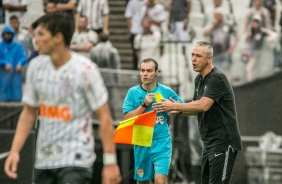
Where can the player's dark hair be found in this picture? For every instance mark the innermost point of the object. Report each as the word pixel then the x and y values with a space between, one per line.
pixel 58 22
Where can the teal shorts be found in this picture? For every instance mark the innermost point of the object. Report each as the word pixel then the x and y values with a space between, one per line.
pixel 153 160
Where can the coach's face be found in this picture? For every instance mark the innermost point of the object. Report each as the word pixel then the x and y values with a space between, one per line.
pixel 148 73
pixel 45 41
pixel 200 58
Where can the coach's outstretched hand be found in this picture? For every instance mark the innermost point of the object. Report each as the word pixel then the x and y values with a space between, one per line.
pixel 165 106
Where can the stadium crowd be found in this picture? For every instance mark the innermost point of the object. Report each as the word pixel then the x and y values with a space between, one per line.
pixel 152 26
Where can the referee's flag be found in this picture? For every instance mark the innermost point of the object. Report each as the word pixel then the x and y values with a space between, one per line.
pixel 137 130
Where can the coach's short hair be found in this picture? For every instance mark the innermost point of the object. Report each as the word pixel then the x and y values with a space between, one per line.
pixel 58 22
pixel 150 60
pixel 208 46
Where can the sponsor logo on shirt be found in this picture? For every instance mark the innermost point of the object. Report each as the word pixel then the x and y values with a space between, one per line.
pixel 140 172
pixel 159 120
pixel 55 112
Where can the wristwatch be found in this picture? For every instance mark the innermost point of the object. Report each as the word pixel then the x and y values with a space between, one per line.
pixel 144 105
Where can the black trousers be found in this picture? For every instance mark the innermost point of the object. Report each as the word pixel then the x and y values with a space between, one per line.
pixel 217 166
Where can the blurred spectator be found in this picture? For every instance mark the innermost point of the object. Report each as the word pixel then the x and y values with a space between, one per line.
pixel 257 9
pixel 2 12
pixel 220 32
pixel 67 6
pixel 270 5
pixel 104 54
pixel 179 19
pixel 107 56
pixel 12 59
pixel 97 13
pixel 228 16
pixel 147 43
pixel 157 14
pixel 134 12
pixel 15 7
pixel 256 47
pixel 165 3
pixel 83 39
pixel 22 35
pixel 49 7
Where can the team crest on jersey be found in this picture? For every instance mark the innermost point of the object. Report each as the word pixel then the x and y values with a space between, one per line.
pixel 140 172
pixel 67 84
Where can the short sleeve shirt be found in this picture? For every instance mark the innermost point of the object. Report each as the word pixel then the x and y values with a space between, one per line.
pixel 135 10
pixel 19 14
pixel 218 126
pixel 136 95
pixel 221 37
pixel 94 10
pixel 66 97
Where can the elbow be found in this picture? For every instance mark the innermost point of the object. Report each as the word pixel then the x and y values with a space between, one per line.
pixel 204 107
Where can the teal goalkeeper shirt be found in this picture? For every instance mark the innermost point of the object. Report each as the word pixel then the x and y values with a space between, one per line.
pixel 136 95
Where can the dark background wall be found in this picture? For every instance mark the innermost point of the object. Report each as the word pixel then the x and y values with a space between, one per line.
pixel 259 109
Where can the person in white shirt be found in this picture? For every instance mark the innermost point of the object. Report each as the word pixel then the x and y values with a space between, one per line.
pixel 157 13
pixel 22 35
pixel 65 88
pixel 147 43
pixel 134 12
pixel 84 39
pixel 15 7
pixel 97 13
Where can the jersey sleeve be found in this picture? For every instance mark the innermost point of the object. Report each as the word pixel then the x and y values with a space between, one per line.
pixel 175 96
pixel 215 88
pixel 128 103
pixel 106 9
pixel 128 11
pixel 30 97
pixel 79 6
pixel 137 42
pixel 94 88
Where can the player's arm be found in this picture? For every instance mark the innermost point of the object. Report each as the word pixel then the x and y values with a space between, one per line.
pixel 128 20
pixel 82 48
pixel 110 173
pixel 141 108
pixel 197 106
pixel 11 7
pixel 190 108
pixel 25 125
pixel 77 16
pixel 106 24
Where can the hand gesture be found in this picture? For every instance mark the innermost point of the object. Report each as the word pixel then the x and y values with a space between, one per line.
pixel 8 67
pixel 164 106
pixel 11 165
pixel 19 68
pixel 149 98
pixel 111 174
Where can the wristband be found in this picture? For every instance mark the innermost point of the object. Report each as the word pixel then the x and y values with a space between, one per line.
pixel 109 159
